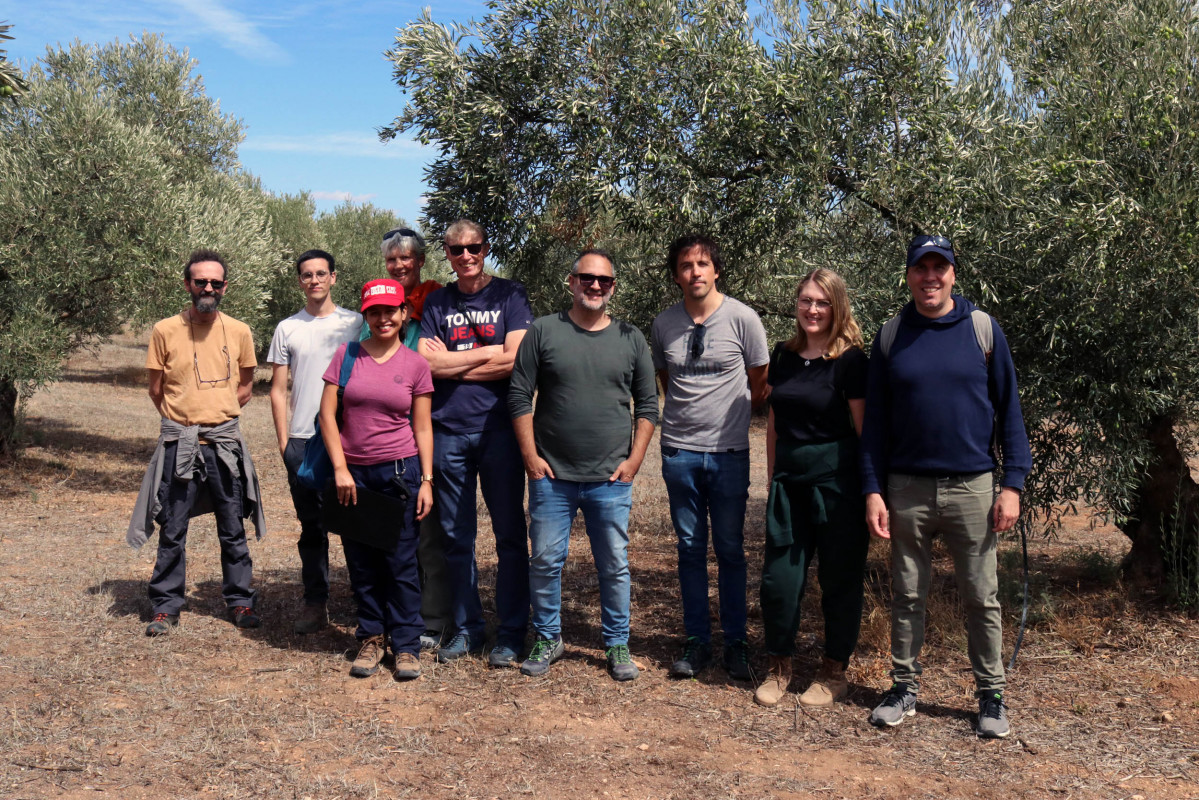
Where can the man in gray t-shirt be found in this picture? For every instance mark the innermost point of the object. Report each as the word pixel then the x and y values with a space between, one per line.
pixel 585 367
pixel 710 353
pixel 303 345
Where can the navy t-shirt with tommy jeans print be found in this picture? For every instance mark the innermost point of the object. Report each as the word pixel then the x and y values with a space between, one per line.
pixel 464 322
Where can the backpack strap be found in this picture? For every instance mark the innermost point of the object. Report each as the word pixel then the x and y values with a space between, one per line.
pixel 886 336
pixel 347 366
pixel 984 334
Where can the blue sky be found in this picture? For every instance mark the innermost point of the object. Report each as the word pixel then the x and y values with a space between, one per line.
pixel 307 79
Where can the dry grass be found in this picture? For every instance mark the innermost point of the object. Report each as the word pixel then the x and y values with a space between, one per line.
pixel 1105 696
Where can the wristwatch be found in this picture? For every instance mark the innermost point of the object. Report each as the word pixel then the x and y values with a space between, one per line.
pixel 426 478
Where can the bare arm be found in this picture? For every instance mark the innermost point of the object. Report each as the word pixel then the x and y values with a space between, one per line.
pixel 499 365
pixel 279 403
pixel 245 385
pixel 758 388
pixel 156 390
pixel 444 363
pixel 347 493
pixel 422 429
pixel 627 469
pixel 536 467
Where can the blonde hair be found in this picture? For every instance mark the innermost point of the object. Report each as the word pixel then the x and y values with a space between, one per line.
pixel 844 332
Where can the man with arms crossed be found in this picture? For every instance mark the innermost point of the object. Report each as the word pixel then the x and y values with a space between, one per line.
pixel 201 365
pixel 941 389
pixel 711 355
pixel 584 367
pixel 470 332
pixel 303 345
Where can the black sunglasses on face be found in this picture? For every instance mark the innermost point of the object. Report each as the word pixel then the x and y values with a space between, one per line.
pixel 697 341
pixel 459 249
pixel 201 283
pixel 586 279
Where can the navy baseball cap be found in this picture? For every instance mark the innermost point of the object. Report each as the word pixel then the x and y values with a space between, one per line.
pixel 923 245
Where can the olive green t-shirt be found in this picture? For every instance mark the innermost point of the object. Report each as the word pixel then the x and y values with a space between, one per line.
pixel 584 382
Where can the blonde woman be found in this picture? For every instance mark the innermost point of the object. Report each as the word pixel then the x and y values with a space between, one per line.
pixel 815 506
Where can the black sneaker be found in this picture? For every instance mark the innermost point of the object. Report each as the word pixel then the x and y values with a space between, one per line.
pixel 161 624
pixel 620 663
pixel 736 660
pixel 992 716
pixel 244 617
pixel 696 656
pixel 898 704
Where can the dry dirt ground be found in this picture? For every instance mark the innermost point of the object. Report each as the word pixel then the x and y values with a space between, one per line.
pixel 1104 697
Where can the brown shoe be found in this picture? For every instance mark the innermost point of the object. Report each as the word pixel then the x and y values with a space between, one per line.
pixel 827 687
pixel 368 658
pixel 407 667
pixel 778 675
pixel 312 618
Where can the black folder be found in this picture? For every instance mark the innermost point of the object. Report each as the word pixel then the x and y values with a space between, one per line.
pixel 375 520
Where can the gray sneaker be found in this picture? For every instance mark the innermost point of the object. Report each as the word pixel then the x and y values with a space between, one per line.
pixel 992 716
pixel 898 704
pixel 431 639
pixel 544 653
pixel 503 655
pixel 620 663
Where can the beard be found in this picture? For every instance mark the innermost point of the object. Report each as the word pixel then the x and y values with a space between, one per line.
pixel 205 303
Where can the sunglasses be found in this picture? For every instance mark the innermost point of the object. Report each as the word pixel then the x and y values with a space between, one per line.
pixel 406 233
pixel 585 279
pixel 697 341
pixel 202 283
pixel 459 249
pixel 932 241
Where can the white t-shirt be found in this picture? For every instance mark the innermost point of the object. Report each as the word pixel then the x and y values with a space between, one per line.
pixel 306 344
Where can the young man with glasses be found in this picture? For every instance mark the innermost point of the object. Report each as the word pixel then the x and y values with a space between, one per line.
pixel 581 452
pixel 201 369
pixel 302 347
pixel 470 332
pixel 941 407
pixel 711 355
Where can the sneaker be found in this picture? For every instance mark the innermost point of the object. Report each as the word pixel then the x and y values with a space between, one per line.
pixel 244 617
pixel 369 657
pixel 459 646
pixel 736 660
pixel 544 653
pixel 161 624
pixel 430 640
pixel 407 667
pixel 312 618
pixel 898 703
pixel 620 663
pixel 502 656
pixel 696 656
pixel 992 716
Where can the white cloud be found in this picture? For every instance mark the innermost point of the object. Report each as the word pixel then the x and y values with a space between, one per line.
pixel 342 197
pixel 240 32
pixel 363 145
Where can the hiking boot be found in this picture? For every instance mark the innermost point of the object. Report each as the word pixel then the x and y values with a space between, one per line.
pixel 244 617
pixel 430 640
pixel 898 703
pixel 313 617
pixel 161 624
pixel 827 687
pixel 620 663
pixel 502 655
pixel 369 656
pixel 992 716
pixel 459 646
pixel 544 653
pixel 696 656
pixel 778 676
pixel 407 667
pixel 736 660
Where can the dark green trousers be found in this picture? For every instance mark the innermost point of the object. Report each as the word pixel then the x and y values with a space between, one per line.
pixel 815 509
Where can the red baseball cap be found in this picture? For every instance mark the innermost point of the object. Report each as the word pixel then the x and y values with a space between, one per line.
pixel 382 292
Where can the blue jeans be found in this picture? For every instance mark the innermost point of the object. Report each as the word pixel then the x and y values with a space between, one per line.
pixel 552 507
pixel 460 462
pixel 700 485
pixel 386 583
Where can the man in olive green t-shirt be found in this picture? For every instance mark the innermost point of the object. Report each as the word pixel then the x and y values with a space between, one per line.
pixel 581 452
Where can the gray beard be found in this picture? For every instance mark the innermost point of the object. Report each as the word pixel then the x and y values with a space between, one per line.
pixel 206 304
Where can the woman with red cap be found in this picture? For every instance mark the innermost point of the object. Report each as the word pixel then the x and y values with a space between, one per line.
pixel 376 447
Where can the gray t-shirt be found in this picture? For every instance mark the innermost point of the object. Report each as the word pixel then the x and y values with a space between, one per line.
pixel 584 381
pixel 707 404
pixel 306 344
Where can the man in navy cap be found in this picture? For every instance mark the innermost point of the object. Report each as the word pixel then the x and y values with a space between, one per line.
pixel 942 424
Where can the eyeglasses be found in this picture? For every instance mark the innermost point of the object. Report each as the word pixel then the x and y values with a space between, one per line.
pixel 406 233
pixel 697 341
pixel 807 304
pixel 224 349
pixel 586 279
pixel 201 283
pixel 459 249
pixel 309 277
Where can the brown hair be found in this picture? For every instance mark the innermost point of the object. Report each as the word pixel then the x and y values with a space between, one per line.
pixel 844 332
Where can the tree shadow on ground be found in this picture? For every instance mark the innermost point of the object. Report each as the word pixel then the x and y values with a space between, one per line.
pixel 128 376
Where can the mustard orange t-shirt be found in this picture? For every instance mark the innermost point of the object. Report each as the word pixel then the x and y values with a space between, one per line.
pixel 201 364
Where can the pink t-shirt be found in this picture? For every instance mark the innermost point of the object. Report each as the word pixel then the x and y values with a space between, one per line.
pixel 377 402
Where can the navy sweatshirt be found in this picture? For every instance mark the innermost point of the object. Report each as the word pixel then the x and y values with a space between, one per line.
pixel 930 403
